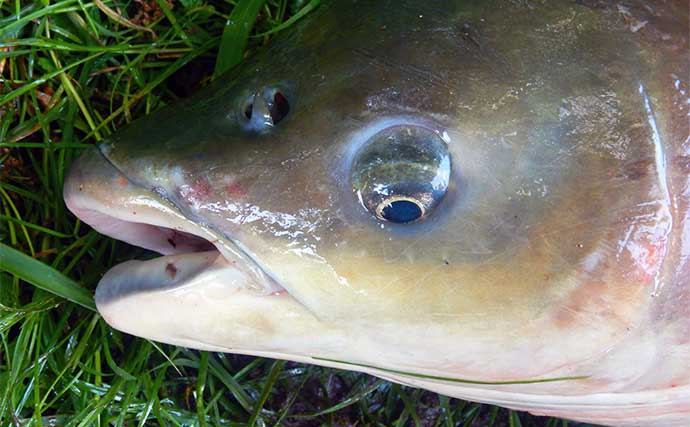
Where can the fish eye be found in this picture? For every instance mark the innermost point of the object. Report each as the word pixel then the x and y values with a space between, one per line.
pixel 264 109
pixel 401 174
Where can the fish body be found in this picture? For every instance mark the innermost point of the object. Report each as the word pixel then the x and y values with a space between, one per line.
pixel 489 200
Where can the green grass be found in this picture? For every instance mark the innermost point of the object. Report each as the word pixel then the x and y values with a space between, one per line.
pixel 72 72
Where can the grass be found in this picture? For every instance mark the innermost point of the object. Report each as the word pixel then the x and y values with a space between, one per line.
pixel 72 72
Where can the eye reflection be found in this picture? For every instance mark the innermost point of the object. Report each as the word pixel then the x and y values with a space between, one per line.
pixel 401 174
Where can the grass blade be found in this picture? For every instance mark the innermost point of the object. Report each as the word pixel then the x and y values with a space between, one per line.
pixel 455 380
pixel 268 386
pixel 43 276
pixel 236 34
pixel 294 18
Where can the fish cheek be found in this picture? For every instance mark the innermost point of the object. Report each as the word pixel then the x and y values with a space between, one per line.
pixel 557 266
pixel 599 301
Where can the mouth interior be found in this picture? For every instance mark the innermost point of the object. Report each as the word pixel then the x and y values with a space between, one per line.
pixel 185 256
pixel 184 240
pixel 158 238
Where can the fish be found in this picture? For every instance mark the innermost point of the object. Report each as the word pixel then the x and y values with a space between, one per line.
pixel 489 200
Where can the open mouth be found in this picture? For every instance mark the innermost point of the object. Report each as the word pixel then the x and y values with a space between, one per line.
pixel 104 198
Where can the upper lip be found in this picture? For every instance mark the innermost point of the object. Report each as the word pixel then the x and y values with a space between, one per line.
pixel 144 218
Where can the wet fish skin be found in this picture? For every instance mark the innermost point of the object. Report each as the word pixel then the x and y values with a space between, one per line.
pixel 559 251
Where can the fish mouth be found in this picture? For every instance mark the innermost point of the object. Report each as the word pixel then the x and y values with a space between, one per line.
pixel 191 253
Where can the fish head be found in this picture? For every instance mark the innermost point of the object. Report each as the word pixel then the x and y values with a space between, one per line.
pixel 484 193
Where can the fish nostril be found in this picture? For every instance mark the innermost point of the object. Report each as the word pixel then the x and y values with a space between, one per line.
pixel 263 110
pixel 280 107
pixel 248 110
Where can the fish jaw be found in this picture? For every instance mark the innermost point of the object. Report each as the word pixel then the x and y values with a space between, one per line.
pixel 201 301
pixel 203 291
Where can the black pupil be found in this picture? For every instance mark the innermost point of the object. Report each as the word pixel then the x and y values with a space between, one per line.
pixel 401 211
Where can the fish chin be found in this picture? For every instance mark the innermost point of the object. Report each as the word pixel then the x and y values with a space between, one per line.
pixel 191 299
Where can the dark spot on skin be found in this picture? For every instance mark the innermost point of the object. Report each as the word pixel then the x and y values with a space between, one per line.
pixel 172 242
pixel 446 262
pixel 81 187
pixel 134 212
pixel 171 270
